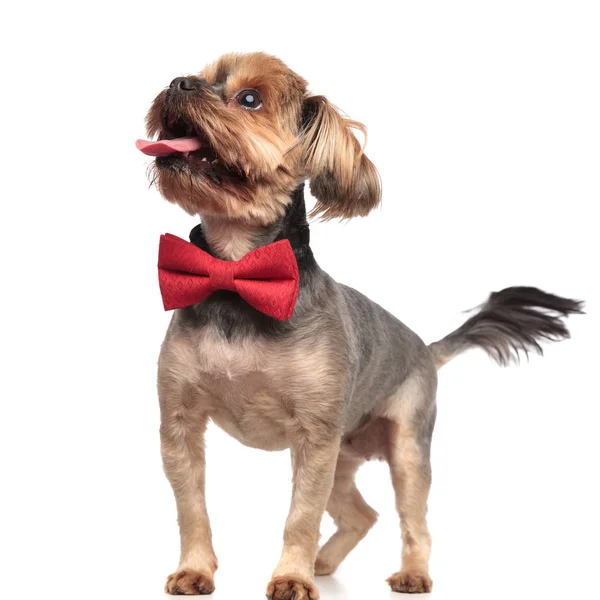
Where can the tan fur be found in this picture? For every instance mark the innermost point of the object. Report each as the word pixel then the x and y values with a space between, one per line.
pixel 189 582
pixel 352 515
pixel 291 588
pixel 244 388
pixel 269 146
pixel 249 390
pixel 232 384
pixel 182 446
pixel 313 462
pixel 235 384
pixel 402 406
pixel 410 583
pixel 340 383
pixel 281 392
pixel 229 239
pixel 412 489
pixel 343 179
pixel 387 435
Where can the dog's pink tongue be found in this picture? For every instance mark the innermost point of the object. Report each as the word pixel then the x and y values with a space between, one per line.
pixel 166 147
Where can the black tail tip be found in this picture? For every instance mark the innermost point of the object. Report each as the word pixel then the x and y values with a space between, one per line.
pixel 515 320
pixel 532 297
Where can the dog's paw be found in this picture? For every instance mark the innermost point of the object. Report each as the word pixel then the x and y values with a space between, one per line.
pixel 189 583
pixel 291 587
pixel 410 582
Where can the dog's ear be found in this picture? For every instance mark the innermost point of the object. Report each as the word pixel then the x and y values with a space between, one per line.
pixel 343 180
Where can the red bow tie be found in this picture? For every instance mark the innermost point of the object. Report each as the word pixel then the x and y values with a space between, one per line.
pixel 266 278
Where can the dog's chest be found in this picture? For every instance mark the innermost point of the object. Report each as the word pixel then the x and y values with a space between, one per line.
pixel 245 385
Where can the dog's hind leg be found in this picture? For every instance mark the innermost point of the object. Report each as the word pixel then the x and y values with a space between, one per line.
pixel 409 438
pixel 352 515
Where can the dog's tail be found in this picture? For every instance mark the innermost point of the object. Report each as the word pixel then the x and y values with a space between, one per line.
pixel 511 321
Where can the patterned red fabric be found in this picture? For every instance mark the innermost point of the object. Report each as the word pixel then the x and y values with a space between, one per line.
pixel 266 278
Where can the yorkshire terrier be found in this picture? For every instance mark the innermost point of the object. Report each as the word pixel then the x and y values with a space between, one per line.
pixel 272 349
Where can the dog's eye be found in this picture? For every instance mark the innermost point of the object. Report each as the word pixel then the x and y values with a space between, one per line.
pixel 249 99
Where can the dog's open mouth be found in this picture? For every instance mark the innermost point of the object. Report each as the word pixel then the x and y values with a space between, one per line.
pixel 192 151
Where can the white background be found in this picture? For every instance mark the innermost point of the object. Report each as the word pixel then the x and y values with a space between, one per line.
pixel 484 122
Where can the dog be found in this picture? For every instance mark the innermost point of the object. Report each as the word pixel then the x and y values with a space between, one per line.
pixel 332 376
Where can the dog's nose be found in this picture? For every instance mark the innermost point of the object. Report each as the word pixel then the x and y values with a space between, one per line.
pixel 185 84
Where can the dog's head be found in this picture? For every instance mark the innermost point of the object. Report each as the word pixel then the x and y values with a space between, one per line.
pixel 238 138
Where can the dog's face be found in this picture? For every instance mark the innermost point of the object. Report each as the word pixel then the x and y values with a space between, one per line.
pixel 239 138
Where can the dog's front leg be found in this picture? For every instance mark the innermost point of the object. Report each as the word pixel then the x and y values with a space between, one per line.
pixel 183 424
pixel 313 464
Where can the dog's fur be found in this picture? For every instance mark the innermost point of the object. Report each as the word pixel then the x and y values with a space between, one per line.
pixel 342 380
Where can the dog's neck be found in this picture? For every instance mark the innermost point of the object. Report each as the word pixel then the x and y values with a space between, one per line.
pixel 227 239
pixel 230 240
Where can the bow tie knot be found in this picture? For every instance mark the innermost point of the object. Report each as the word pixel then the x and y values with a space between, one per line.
pixel 223 277
pixel 266 278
